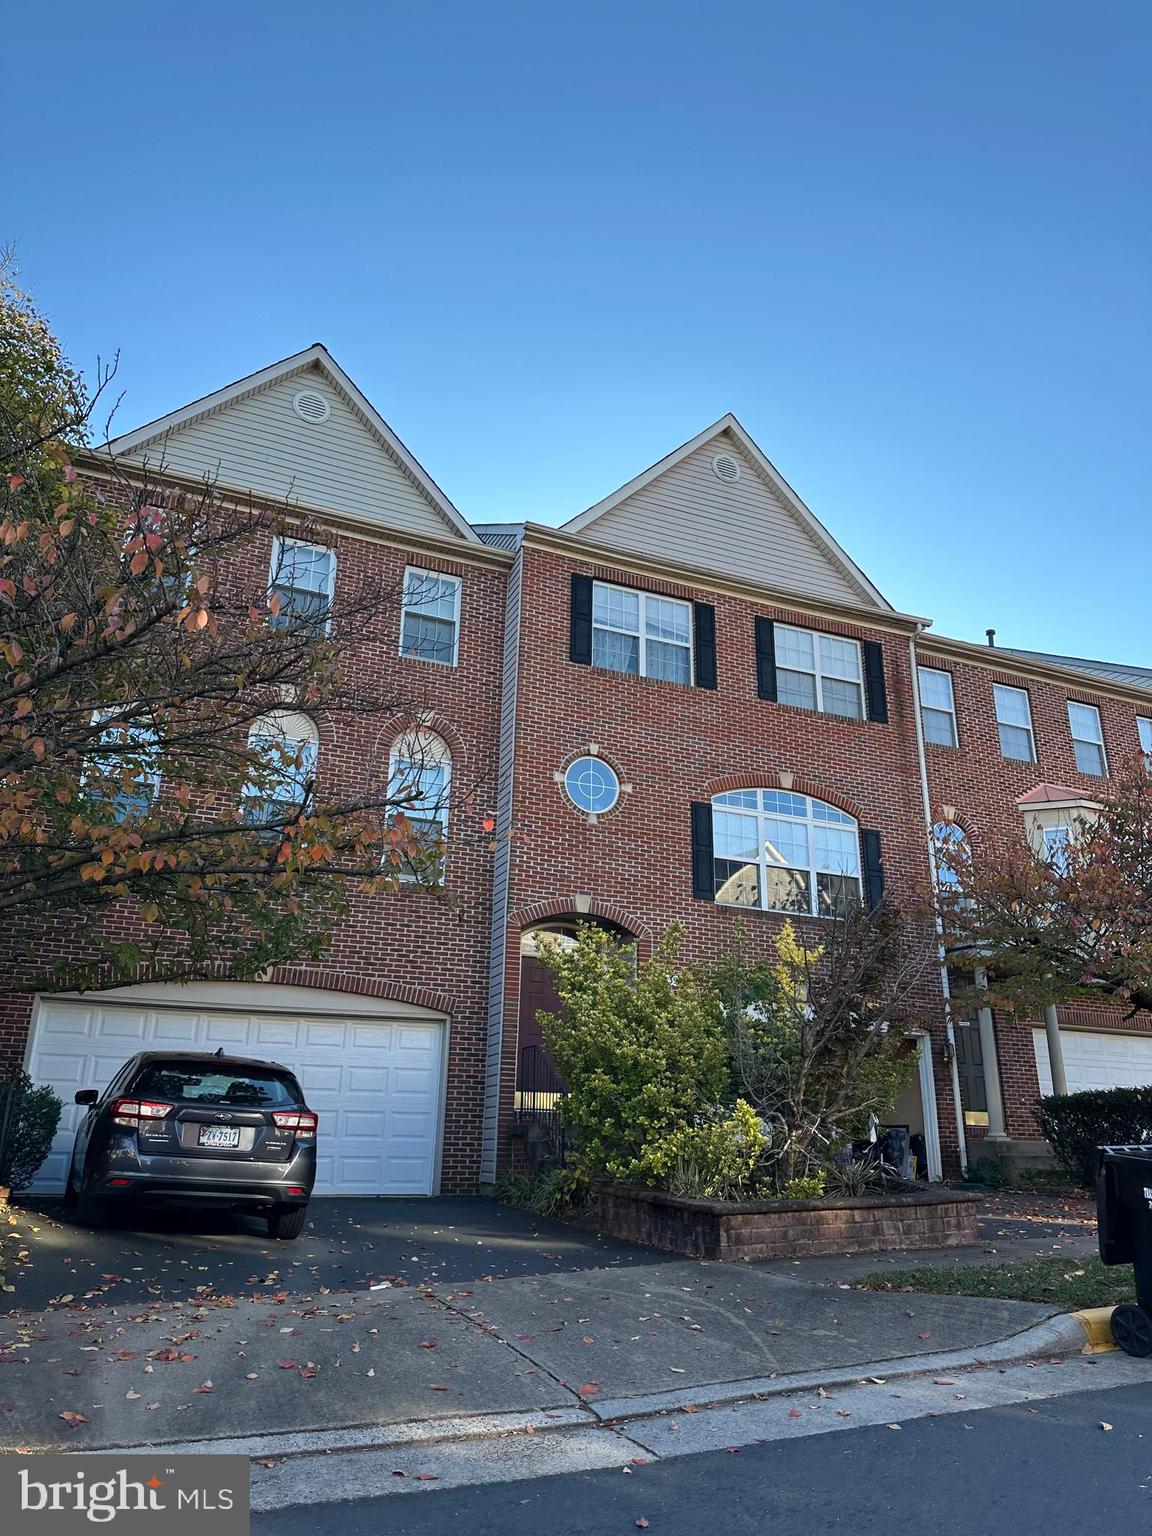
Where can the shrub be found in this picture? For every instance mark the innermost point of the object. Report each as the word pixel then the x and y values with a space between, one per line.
pixel 809 1187
pixel 986 1171
pixel 1077 1123
pixel 716 1159
pixel 552 1193
pixel 33 1120
pixel 641 1049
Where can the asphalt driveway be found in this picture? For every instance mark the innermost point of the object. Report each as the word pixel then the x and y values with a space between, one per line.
pixel 348 1244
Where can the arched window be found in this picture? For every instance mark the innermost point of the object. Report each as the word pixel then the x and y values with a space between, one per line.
pixel 785 853
pixel 283 746
pixel 952 850
pixel 420 785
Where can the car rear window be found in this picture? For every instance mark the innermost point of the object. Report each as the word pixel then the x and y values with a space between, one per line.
pixel 191 1082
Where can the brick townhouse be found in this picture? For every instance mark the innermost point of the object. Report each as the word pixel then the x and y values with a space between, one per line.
pixel 687 704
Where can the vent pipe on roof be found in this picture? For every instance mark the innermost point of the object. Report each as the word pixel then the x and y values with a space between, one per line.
pixel 991 633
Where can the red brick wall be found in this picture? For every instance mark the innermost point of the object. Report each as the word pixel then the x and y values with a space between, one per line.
pixel 674 745
pixel 983 786
pixel 408 945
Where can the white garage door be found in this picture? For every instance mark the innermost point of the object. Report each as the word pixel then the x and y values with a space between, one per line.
pixel 372 1076
pixel 1097 1060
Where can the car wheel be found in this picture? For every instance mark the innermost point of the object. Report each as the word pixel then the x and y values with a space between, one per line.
pixel 286 1224
pixel 90 1210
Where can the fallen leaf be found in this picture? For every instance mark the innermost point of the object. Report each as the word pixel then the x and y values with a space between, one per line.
pixel 427 1477
pixel 287 1365
pixel 1104 1424
pixel 943 1381
pixel 794 1413
pixel 588 1390
pixel 642 1524
pixel 132 1396
pixel 894 1426
pixel 71 1418
pixel 205 1386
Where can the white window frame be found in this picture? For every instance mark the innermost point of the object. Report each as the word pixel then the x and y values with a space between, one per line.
pixel 132 735
pixel 423 748
pixel 1144 734
pixel 813 869
pixel 641 634
pixel 1096 741
pixel 819 675
pixel 279 545
pixel 414 575
pixel 997 690
pixel 294 729
pixel 937 709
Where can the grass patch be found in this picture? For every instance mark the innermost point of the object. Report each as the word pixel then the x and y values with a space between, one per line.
pixel 1068 1283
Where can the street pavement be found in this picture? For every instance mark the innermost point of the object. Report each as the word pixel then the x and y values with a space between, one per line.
pixel 1045 1466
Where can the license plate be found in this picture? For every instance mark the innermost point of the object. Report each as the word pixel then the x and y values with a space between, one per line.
pixel 219 1136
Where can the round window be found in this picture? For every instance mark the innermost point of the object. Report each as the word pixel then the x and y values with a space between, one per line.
pixel 591 785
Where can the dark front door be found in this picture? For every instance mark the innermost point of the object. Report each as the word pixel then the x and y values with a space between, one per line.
pixel 970 1067
pixel 537 1082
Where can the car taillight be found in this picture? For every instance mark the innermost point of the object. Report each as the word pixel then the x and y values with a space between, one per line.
pixel 302 1121
pixel 132 1111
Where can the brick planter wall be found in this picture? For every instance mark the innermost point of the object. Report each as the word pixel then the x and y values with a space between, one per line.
pixel 782 1229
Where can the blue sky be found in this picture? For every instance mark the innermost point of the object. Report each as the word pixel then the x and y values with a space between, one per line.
pixel 909 245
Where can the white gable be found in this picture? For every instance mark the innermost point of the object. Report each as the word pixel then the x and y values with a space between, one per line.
pixel 753 527
pixel 250 437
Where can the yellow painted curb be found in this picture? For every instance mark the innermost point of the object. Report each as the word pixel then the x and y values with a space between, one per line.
pixel 1097 1324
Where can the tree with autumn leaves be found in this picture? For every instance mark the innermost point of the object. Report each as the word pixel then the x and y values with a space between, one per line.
pixel 1072 923
pixel 153 798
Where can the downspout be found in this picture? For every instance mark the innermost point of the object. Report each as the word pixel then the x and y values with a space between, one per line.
pixel 926 794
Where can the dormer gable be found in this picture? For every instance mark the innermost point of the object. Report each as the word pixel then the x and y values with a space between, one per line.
pixel 716 503
pixel 299 431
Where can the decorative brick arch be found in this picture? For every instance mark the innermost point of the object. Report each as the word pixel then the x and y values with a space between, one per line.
pixel 798 786
pixel 606 911
pixel 421 720
pixel 363 986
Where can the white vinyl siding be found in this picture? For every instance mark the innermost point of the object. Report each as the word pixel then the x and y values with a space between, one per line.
pixel 737 528
pixel 260 444
pixel 641 633
pixel 938 707
pixel 1087 738
pixel 819 672
pixel 1014 720
pixel 430 623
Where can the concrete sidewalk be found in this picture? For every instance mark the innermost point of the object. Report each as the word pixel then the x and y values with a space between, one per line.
pixel 540 1345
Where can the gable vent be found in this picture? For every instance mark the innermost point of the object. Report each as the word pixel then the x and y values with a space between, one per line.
pixel 725 467
pixel 311 405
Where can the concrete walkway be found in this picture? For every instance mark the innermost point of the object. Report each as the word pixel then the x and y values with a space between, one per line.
pixel 535 1344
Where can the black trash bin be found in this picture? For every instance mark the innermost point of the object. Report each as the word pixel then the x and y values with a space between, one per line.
pixel 1124 1215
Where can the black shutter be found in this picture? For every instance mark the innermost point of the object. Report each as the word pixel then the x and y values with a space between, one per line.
pixel 873 869
pixel 704 644
pixel 580 639
pixel 766 659
pixel 874 688
pixel 703 870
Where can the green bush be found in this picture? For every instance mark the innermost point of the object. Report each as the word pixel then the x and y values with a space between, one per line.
pixel 1077 1123
pixel 556 1192
pixel 986 1171
pixel 642 1050
pixel 716 1159
pixel 32 1123
pixel 809 1186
